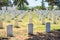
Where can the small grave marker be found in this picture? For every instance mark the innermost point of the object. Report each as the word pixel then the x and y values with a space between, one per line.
pixel 48 27
pixel 9 31
pixel 30 28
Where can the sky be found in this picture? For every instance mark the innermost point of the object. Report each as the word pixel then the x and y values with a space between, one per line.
pixel 33 3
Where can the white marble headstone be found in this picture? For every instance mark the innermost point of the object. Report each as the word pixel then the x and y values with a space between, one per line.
pixel 16 23
pixel 30 28
pixel 54 19
pixel 48 27
pixel 9 30
pixel 30 17
pixel 42 20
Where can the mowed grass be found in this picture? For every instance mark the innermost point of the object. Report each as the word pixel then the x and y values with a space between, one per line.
pixel 22 31
pixel 41 28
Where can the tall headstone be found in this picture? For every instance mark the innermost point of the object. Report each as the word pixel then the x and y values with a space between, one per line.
pixel 42 20
pixel 30 28
pixel 30 17
pixel 9 31
pixel 39 16
pixel 49 16
pixel 16 23
pixel 54 19
pixel 48 27
pixel 1 24
pixel 57 17
pixel 8 17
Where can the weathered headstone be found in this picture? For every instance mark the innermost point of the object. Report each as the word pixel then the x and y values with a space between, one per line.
pixel 16 23
pixel 39 16
pixel 48 27
pixel 42 20
pixel 9 31
pixel 30 17
pixel 54 19
pixel 1 24
pixel 20 18
pixel 8 17
pixel 49 16
pixel 30 28
pixel 57 17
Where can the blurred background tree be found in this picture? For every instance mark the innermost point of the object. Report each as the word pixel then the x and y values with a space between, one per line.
pixel 38 7
pixel 54 2
pixel 4 3
pixel 21 3
pixel 25 7
pixel 42 5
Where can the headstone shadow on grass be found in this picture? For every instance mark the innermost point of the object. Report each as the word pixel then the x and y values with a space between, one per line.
pixel 19 20
pixel 53 35
pixel 4 38
pixel 8 21
pixel 17 27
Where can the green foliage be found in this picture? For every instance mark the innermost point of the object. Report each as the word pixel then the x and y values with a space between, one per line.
pixel 38 7
pixel 42 5
pixel 53 2
pixel 3 2
pixel 25 8
pixel 49 7
pixel 20 3
pixel 58 8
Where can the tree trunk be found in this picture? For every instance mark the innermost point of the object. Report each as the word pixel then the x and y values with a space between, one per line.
pixel 6 7
pixel 59 7
pixel 0 8
pixel 43 6
pixel 23 6
pixel 51 7
pixel 20 6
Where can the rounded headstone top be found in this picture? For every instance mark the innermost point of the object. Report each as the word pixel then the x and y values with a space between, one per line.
pixel 30 23
pixel 9 24
pixel 48 23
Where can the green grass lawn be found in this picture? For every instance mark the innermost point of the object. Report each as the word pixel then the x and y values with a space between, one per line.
pixel 37 22
pixel 22 31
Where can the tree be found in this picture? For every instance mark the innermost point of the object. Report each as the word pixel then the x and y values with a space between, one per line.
pixel 20 3
pixel 42 5
pixel 57 2
pixel 54 2
pixel 50 3
pixel 38 7
pixel 25 7
pixel 3 3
